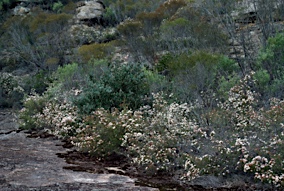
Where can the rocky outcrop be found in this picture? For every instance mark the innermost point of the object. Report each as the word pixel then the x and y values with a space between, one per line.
pixel 90 11
pixel 248 11
pixel 21 10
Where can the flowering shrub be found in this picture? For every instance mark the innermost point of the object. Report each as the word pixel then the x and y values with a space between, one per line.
pixel 258 132
pixel 60 118
pixel 166 138
pixel 177 138
pixel 102 132
pixel 33 105
pixel 265 159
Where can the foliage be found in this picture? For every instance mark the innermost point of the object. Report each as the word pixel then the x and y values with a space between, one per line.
pixel 103 131
pixel 181 62
pixel 57 6
pixel 69 8
pixel 119 85
pixel 109 17
pixel 11 92
pixel 252 129
pixel 164 139
pixel 175 138
pixel 67 76
pixel 214 122
pixel 48 21
pixel 33 106
pixel 190 28
pixel 270 66
pixel 199 75
pixel 38 41
pixel 130 28
pixel 59 118
pixel 37 83
pixel 95 51
pixel 130 8
pixel 174 27
pixel 157 82
pixel 49 4
pixel 5 4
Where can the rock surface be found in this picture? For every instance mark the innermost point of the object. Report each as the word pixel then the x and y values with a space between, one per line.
pixel 32 164
pixel 8 122
pixel 90 10
pixel 20 10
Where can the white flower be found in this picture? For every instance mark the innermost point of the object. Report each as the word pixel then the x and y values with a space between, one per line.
pixel 67 119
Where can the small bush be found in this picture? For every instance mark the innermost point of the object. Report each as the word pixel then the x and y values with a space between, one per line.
pixel 33 106
pixel 199 75
pixel 103 131
pixel 60 118
pixel 48 21
pixel 95 51
pixel 130 28
pixel 165 139
pixel 11 93
pixel 69 8
pixel 109 18
pixel 57 7
pixel 37 83
pixel 67 76
pixel 119 85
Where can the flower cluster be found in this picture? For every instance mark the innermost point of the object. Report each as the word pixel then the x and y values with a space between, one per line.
pixel 166 139
pixel 59 118
pixel 263 170
pixel 103 131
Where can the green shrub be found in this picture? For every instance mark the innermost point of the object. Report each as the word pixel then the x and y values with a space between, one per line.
pixel 130 28
pixel 69 8
pixel 57 6
pixel 178 63
pixel 95 51
pixel 270 64
pixel 119 85
pixel 39 40
pixel 11 92
pixel 109 17
pixel 199 74
pixel 37 83
pixel 159 83
pixel 103 132
pixel 163 141
pixel 33 105
pixel 67 76
pixel 48 21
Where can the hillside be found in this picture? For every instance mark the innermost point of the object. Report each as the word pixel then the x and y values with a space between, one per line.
pixel 187 89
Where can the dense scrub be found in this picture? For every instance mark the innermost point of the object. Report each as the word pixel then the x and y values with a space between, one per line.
pixel 175 104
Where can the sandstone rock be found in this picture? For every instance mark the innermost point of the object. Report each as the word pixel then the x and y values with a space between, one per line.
pixel 248 10
pixel 90 10
pixel 20 10
pixel 8 122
